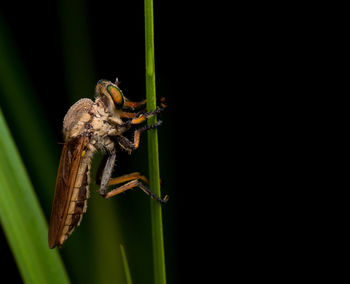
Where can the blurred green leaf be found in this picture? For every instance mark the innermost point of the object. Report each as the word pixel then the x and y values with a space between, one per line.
pixel 23 220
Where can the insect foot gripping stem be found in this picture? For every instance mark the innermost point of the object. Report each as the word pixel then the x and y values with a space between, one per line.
pixel 142 116
pixel 152 126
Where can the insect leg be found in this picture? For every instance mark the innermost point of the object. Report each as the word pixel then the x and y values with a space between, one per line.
pixel 136 183
pixel 128 177
pixel 106 175
pixel 126 114
pixel 100 170
pixel 134 105
pixel 130 146
pixel 162 102
pixel 137 132
pixel 141 117
pixel 138 105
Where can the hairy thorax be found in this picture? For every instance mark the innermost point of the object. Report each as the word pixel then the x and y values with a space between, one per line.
pixel 91 119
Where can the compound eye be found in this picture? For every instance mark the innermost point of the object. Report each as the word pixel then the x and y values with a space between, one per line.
pixel 116 95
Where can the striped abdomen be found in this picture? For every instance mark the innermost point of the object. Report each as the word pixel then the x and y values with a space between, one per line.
pixel 78 202
pixel 71 191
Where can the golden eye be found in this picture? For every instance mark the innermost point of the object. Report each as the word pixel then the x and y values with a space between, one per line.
pixel 116 95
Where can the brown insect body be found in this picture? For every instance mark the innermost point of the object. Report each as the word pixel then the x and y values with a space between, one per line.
pixel 86 129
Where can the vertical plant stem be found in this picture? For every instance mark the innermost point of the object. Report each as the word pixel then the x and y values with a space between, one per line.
pixel 153 160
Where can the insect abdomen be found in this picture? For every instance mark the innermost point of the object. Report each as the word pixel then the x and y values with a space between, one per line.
pixel 78 202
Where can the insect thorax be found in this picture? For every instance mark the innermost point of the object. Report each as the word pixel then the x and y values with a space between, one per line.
pixel 93 120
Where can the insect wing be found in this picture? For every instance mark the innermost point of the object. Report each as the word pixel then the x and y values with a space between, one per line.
pixel 67 172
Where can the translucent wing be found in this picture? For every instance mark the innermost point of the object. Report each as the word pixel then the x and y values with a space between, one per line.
pixel 71 157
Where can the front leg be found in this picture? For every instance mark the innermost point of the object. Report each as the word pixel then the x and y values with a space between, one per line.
pixel 129 105
pixel 139 117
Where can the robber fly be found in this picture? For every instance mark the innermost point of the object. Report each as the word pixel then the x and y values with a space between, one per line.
pixel 87 127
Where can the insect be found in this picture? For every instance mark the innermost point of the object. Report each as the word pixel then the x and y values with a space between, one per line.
pixel 88 127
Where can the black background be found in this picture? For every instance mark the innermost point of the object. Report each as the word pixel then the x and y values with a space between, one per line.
pixel 217 106
pixel 186 49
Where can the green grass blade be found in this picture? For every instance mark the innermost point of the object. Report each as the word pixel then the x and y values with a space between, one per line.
pixel 23 220
pixel 153 156
pixel 126 265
